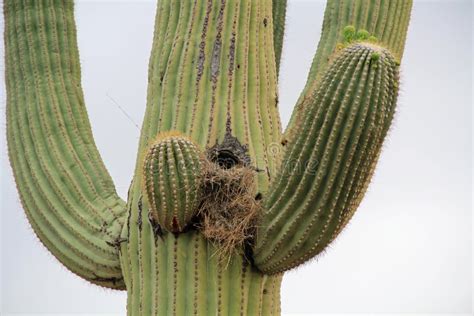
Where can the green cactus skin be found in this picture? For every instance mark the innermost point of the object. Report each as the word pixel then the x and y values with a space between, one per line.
pixel 213 82
pixel 68 195
pixel 340 139
pixel 172 175
pixel 230 88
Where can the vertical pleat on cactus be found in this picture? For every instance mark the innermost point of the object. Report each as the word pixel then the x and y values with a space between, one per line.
pixel 68 195
pixel 211 149
pixel 279 16
pixel 336 147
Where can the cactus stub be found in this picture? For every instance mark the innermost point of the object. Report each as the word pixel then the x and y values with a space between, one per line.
pixel 172 180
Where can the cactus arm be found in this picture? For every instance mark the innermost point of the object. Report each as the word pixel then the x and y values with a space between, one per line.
pixel 68 196
pixel 386 20
pixel 333 149
pixel 172 173
pixel 212 73
pixel 279 18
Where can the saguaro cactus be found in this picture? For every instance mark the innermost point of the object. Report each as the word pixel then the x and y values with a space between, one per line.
pixel 214 170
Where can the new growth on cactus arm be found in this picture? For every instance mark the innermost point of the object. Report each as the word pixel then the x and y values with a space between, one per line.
pixel 222 202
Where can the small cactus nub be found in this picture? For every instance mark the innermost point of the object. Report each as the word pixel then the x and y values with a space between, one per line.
pixel 218 211
pixel 171 172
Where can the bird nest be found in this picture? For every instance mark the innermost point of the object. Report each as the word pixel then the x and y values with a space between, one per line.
pixel 228 210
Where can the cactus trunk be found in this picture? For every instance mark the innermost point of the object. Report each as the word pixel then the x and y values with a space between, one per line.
pixel 212 77
pixel 181 275
pixel 221 203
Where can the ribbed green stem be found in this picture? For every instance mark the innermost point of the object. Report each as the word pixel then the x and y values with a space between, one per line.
pixel 182 276
pixel 212 76
pixel 67 194
pixel 279 17
pixel 387 20
pixel 328 165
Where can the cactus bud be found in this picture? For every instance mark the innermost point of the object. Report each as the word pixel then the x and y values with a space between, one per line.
pixel 172 172
pixel 341 135
pixel 348 32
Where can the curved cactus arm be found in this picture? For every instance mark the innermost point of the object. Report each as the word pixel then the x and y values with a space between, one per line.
pixel 332 150
pixel 279 18
pixel 387 21
pixel 68 196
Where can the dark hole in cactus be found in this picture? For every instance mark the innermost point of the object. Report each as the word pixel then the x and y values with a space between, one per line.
pixel 226 159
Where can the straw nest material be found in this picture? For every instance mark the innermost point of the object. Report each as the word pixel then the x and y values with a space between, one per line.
pixel 228 210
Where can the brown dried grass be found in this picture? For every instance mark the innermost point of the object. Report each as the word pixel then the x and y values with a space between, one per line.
pixel 228 209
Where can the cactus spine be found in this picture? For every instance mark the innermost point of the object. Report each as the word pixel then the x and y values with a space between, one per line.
pixel 212 93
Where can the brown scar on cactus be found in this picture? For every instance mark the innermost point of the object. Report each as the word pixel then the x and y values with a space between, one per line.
pixel 222 200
